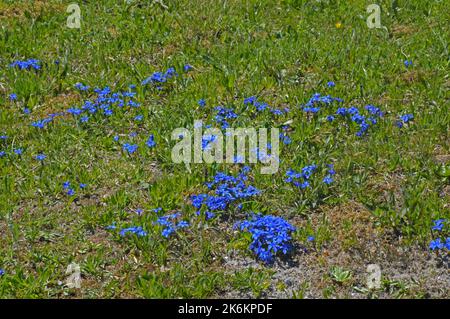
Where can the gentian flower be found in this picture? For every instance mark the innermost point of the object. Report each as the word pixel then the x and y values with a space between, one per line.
pixel 407 63
pixel 270 236
pixel 137 230
pixel 130 148
pixel 26 65
pixel 150 141
pixel 40 157
pixel 328 179
pixel 201 103
pixel 438 224
pixel 436 244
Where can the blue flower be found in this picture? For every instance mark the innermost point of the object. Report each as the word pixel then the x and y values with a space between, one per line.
pixel 404 119
pixel 81 87
pixel 84 119
pixel 270 236
pixel 138 118
pixel 447 243
pixel 130 148
pixel 66 185
pixel 150 141
pixel 74 111
pixel 227 189
pixel 436 244
pixel 2 272
pixel 2 154
pixel 310 238
pixel 26 65
pixel 331 84
pixel 328 179
pixel 373 110
pixel 82 185
pixel 201 103
pixel 407 63
pixel 70 192
pixel 183 224
pixel 13 97
pixel 330 118
pixel 40 157
pixel 341 111
pixel 116 138
pixel 111 227
pixel 250 100
pixel 26 110
pixel 18 151
pixel 407 118
pixel 207 140
pixel 137 230
pixel 438 224
pixel 187 68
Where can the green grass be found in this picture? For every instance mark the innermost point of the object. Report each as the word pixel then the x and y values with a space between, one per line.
pixel 281 51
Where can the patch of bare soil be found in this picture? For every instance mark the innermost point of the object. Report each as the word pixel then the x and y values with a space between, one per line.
pixel 357 243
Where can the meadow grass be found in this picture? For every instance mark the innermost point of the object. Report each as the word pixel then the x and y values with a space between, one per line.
pixel 280 51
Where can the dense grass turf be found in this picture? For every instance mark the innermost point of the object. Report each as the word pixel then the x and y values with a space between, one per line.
pixel 391 183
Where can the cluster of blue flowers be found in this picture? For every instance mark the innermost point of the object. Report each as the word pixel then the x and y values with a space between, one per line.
pixel 207 140
pixel 271 235
pixel 224 115
pixel 227 189
pixel 404 119
pixel 105 103
pixel 44 122
pixel 159 79
pixel 137 230
pixel 150 141
pixel 70 191
pixel 364 121
pixel 171 224
pixel 301 179
pixel 440 227
pixel 262 106
pixel 16 151
pixel 283 135
pixel 40 157
pixel 132 148
pixel 26 65
pixel 317 101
